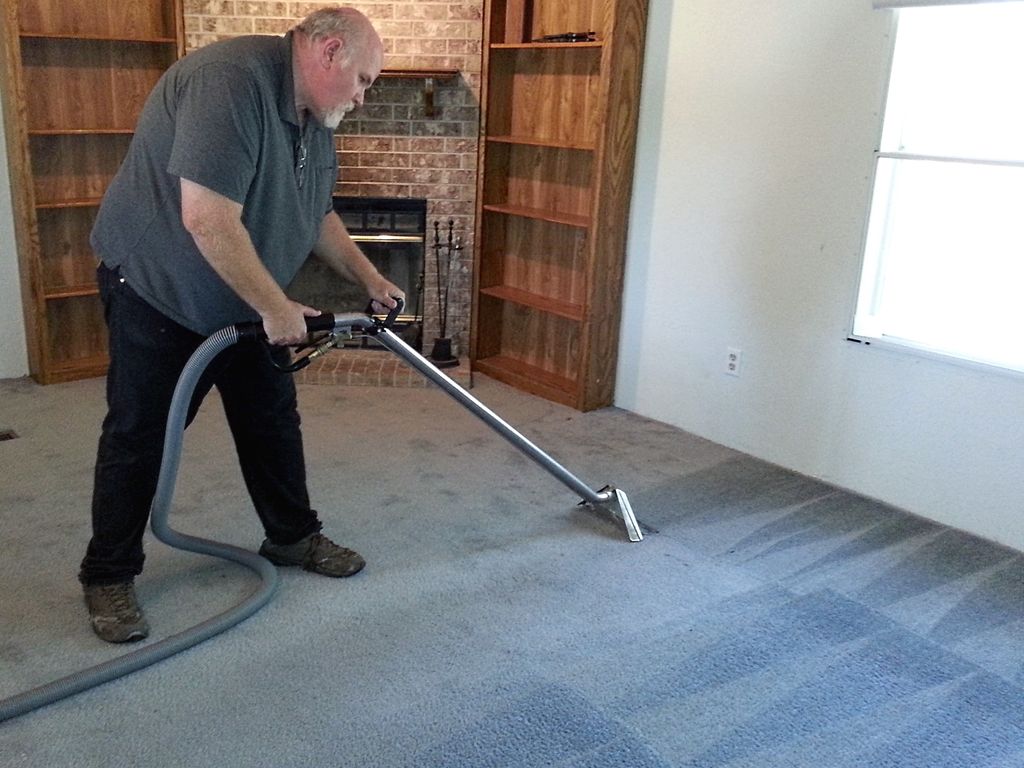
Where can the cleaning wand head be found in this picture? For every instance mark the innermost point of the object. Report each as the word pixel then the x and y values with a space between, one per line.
pixel 614 502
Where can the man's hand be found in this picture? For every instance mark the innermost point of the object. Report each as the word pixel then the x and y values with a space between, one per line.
pixel 287 325
pixel 383 294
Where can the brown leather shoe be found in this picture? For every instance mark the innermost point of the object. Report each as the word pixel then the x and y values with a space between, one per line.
pixel 114 612
pixel 315 553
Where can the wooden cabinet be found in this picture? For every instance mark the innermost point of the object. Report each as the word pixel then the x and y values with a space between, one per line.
pixel 76 74
pixel 558 131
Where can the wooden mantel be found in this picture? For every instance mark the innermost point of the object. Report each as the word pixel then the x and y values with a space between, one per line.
pixel 428 76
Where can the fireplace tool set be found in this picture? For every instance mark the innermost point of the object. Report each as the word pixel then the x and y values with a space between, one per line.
pixel 609 502
pixel 444 267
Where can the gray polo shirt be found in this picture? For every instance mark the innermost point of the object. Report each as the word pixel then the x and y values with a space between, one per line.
pixel 224 117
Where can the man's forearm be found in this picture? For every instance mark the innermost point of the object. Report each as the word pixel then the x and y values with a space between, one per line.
pixel 215 224
pixel 216 227
pixel 231 254
pixel 336 248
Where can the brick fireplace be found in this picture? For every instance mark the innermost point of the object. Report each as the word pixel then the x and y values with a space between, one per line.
pixel 432 158
pixel 413 137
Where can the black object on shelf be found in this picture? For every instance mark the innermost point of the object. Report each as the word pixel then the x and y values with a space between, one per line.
pixel 568 37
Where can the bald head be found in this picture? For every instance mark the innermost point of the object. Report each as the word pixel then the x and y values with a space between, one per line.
pixel 337 21
pixel 337 56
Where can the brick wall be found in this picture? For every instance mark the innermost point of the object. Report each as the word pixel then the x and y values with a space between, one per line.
pixel 390 146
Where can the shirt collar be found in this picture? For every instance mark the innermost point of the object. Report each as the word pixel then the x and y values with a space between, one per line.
pixel 286 100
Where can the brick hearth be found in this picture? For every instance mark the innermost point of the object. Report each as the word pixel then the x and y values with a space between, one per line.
pixel 372 368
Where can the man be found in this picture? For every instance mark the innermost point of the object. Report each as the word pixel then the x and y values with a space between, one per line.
pixel 226 188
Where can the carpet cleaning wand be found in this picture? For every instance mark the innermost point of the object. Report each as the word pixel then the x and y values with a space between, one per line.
pixel 610 501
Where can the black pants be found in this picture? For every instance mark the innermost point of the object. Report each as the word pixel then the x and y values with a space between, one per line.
pixel 147 354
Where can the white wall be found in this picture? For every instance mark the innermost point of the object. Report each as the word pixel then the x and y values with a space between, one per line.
pixel 13 353
pixel 757 126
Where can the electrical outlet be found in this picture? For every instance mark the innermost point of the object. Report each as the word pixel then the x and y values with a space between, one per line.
pixel 733 360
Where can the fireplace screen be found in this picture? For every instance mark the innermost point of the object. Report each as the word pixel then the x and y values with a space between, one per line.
pixel 392 234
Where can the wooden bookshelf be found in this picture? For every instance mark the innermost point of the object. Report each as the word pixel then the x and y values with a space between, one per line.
pixel 75 75
pixel 558 130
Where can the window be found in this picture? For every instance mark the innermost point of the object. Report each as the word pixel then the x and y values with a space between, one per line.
pixel 944 252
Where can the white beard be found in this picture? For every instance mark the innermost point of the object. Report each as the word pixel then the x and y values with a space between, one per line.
pixel 334 117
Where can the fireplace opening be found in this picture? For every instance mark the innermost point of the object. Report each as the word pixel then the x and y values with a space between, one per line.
pixel 392 232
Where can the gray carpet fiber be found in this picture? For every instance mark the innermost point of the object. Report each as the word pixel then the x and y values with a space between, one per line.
pixel 766 620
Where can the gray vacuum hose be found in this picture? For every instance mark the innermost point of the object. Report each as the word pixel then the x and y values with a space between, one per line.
pixel 150 654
